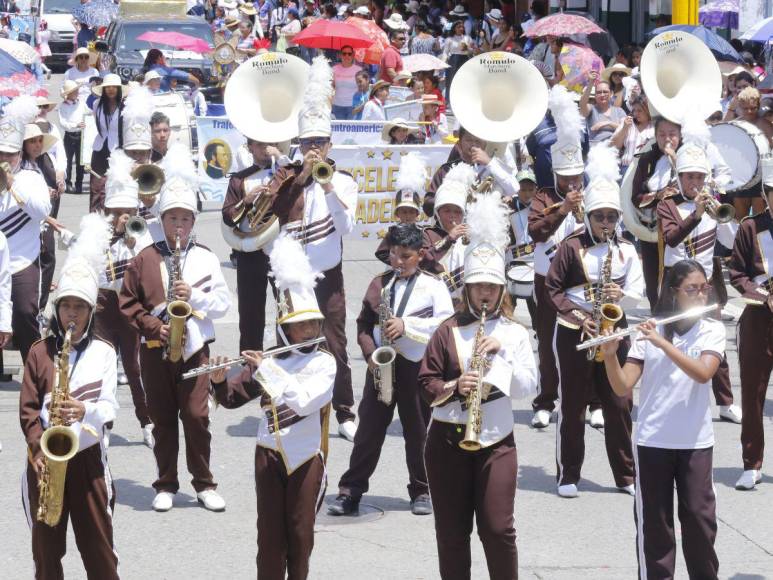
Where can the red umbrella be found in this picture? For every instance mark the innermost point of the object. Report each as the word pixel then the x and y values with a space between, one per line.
pixel 562 25
pixel 176 40
pixel 372 54
pixel 332 34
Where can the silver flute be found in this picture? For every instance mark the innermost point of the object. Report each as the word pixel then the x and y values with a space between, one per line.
pixel 205 369
pixel 694 312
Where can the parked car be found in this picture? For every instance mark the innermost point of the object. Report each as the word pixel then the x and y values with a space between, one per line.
pixel 125 55
pixel 58 15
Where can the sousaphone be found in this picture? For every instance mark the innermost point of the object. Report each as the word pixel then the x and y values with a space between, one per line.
pixel 499 96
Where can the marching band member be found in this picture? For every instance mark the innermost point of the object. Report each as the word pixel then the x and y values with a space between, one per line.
pixel 295 390
pixel 88 494
pixel 689 231
pixel 6 304
pixel 160 131
pixel 750 274
pixel 674 435
pixel 120 206
pixel 475 151
pixel 244 190
pixel 177 269
pixel 555 213
pixel 464 483
pixel 319 215
pixel 447 238
pixel 401 309
pixel 521 250
pixel 138 140
pixel 593 267
pixel 22 207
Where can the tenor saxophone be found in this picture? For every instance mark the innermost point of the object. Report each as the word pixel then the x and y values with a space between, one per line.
pixel 478 362
pixel 384 356
pixel 59 442
pixel 605 314
pixel 177 311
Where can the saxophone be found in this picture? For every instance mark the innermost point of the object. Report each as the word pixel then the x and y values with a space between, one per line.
pixel 478 362
pixel 605 315
pixel 177 311
pixel 59 442
pixel 384 356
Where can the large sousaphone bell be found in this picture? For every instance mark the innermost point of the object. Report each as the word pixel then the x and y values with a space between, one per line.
pixel 498 96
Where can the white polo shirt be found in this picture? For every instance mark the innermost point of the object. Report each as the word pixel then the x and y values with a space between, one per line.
pixel 675 410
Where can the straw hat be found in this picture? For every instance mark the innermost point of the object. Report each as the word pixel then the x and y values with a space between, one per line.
pixel 396 22
pixel 110 80
pixel 31 131
pixel 44 102
pixel 430 100
pixel 495 14
pixel 458 12
pixel 151 75
pixel 397 123
pixel 248 9
pixel 615 68
pixel 68 87
pixel 362 11
pixel 378 85
pixel 231 22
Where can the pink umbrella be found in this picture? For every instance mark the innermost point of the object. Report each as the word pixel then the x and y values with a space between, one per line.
pixel 576 62
pixel 372 54
pixel 176 40
pixel 421 62
pixel 333 35
pixel 562 25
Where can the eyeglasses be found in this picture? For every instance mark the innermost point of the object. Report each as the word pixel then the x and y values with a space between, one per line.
pixel 695 290
pixel 347 53
pixel 309 143
pixel 611 217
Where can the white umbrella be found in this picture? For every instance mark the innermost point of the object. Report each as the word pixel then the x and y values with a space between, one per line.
pixel 21 51
pixel 760 32
pixel 422 62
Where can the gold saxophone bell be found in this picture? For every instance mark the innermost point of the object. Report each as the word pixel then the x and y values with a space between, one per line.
pixel 178 311
pixel 149 177
pixel 611 314
pixel 322 172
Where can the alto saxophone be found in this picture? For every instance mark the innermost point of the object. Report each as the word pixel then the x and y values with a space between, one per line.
pixel 478 362
pixel 59 442
pixel 605 314
pixel 384 356
pixel 177 311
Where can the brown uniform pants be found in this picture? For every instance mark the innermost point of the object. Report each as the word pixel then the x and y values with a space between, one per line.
pixel 658 471
pixel 251 280
pixel 332 302
pixel 374 419
pixel 577 377
pixel 169 397
pixel 287 509
pixel 25 293
pixel 113 327
pixel 755 356
pixel 479 484
pixel 89 499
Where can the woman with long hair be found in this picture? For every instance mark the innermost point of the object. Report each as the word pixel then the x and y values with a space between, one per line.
pixel 457 49
pixel 107 110
pixel 155 60
pixel 674 438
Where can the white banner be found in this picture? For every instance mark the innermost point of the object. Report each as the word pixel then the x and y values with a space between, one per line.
pixel 357 132
pixel 219 143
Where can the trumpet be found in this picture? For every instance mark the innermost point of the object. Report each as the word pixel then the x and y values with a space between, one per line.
pixel 149 177
pixel 578 212
pixel 694 312
pixel 210 368
pixel 721 212
pixel 322 172
pixel 135 228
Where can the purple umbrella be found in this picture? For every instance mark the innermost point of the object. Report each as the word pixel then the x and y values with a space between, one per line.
pixel 720 13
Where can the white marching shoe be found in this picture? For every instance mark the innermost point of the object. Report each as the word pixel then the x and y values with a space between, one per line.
pixel 568 490
pixel 730 413
pixel 163 501
pixel 211 500
pixel 629 489
pixel 541 419
pixel 748 480
pixel 597 419
pixel 147 436
pixel 347 429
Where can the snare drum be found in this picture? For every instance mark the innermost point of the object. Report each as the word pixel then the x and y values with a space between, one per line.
pixel 520 278
pixel 741 145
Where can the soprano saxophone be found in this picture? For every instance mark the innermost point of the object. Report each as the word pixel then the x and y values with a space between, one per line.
pixel 384 356
pixel 59 442
pixel 478 362
pixel 177 311
pixel 605 314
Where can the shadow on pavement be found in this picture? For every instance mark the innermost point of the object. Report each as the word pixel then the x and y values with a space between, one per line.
pixel 139 497
pixel 533 478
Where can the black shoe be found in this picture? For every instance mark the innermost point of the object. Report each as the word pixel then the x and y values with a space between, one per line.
pixel 421 505
pixel 6 378
pixel 344 505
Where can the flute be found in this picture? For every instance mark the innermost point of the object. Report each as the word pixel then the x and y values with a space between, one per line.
pixel 206 369
pixel 694 312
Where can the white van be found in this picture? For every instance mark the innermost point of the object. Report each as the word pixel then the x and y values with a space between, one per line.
pixel 58 15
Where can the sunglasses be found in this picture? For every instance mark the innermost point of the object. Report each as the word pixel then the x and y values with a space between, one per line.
pixel 347 53
pixel 605 217
pixel 695 290
pixel 321 142
pixel 80 57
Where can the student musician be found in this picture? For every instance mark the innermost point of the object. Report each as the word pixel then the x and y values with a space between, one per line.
pixel 401 309
pixel 595 271
pixel 87 495
pixel 689 228
pixel 295 390
pixel 674 434
pixel 121 207
pixel 479 352
pixel 520 253
pixel 751 274
pixel 176 274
